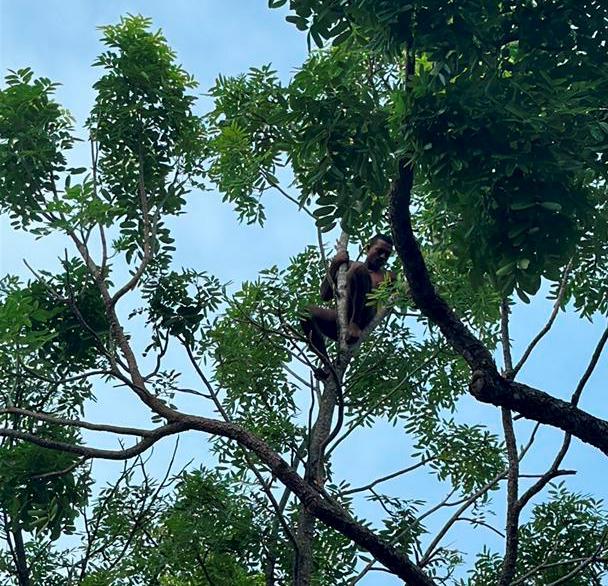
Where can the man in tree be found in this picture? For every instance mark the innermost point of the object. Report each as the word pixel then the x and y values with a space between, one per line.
pixel 361 278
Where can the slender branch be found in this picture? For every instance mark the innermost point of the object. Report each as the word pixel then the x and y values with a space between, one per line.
pixel 295 375
pixel 322 253
pixel 505 338
pixel 590 368
pixel 57 473
pixel 360 418
pixel 88 452
pixel 78 423
pixel 381 314
pixel 67 379
pixel 92 532
pixel 265 487
pixel 474 521
pixel 553 470
pixel 164 346
pixel 546 566
pixel 471 499
pixel 548 325
pixel 104 249
pixel 387 477
pixel 145 508
pixel 467 503
pixel 512 522
pixel 148 235
pixel 444 503
pixel 277 186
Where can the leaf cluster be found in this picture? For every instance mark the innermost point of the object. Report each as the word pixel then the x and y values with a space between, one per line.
pixel 35 132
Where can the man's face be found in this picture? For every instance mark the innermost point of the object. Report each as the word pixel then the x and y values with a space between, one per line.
pixel 377 254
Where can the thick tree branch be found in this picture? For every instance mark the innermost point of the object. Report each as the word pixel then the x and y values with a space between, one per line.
pixel 324 509
pixel 20 555
pixel 487 385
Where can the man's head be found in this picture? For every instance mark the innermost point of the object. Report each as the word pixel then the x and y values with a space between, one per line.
pixel 378 251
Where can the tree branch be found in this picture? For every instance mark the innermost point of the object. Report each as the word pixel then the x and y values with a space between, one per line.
pixel 89 452
pixel 512 522
pixel 326 510
pixel 469 501
pixel 548 325
pixel 387 477
pixel 487 385
pixel 77 423
pixel 148 236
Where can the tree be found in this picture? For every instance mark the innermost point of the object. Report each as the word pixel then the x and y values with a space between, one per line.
pixel 463 128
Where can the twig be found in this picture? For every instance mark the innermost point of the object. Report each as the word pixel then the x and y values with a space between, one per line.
pixel 547 327
pixel 388 477
pixel 286 195
pixel 474 521
pixel 590 368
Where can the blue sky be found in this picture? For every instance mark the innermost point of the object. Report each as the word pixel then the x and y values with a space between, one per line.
pixel 58 39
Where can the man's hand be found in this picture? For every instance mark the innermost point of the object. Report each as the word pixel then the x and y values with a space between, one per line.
pixel 340 258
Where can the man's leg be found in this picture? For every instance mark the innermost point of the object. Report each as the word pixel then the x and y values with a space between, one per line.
pixel 358 285
pixel 320 322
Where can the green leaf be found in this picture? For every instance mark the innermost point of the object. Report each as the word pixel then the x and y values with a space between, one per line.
pixel 505 269
pixel 521 205
pixel 551 205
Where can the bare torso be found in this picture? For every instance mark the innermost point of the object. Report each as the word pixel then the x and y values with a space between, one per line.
pixel 376 276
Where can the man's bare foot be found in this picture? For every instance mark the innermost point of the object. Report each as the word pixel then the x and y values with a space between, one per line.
pixel 353 333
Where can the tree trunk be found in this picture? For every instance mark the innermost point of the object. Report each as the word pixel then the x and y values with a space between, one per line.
pixel 320 433
pixel 315 475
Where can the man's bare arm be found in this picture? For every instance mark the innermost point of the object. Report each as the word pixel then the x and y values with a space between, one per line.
pixel 327 285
